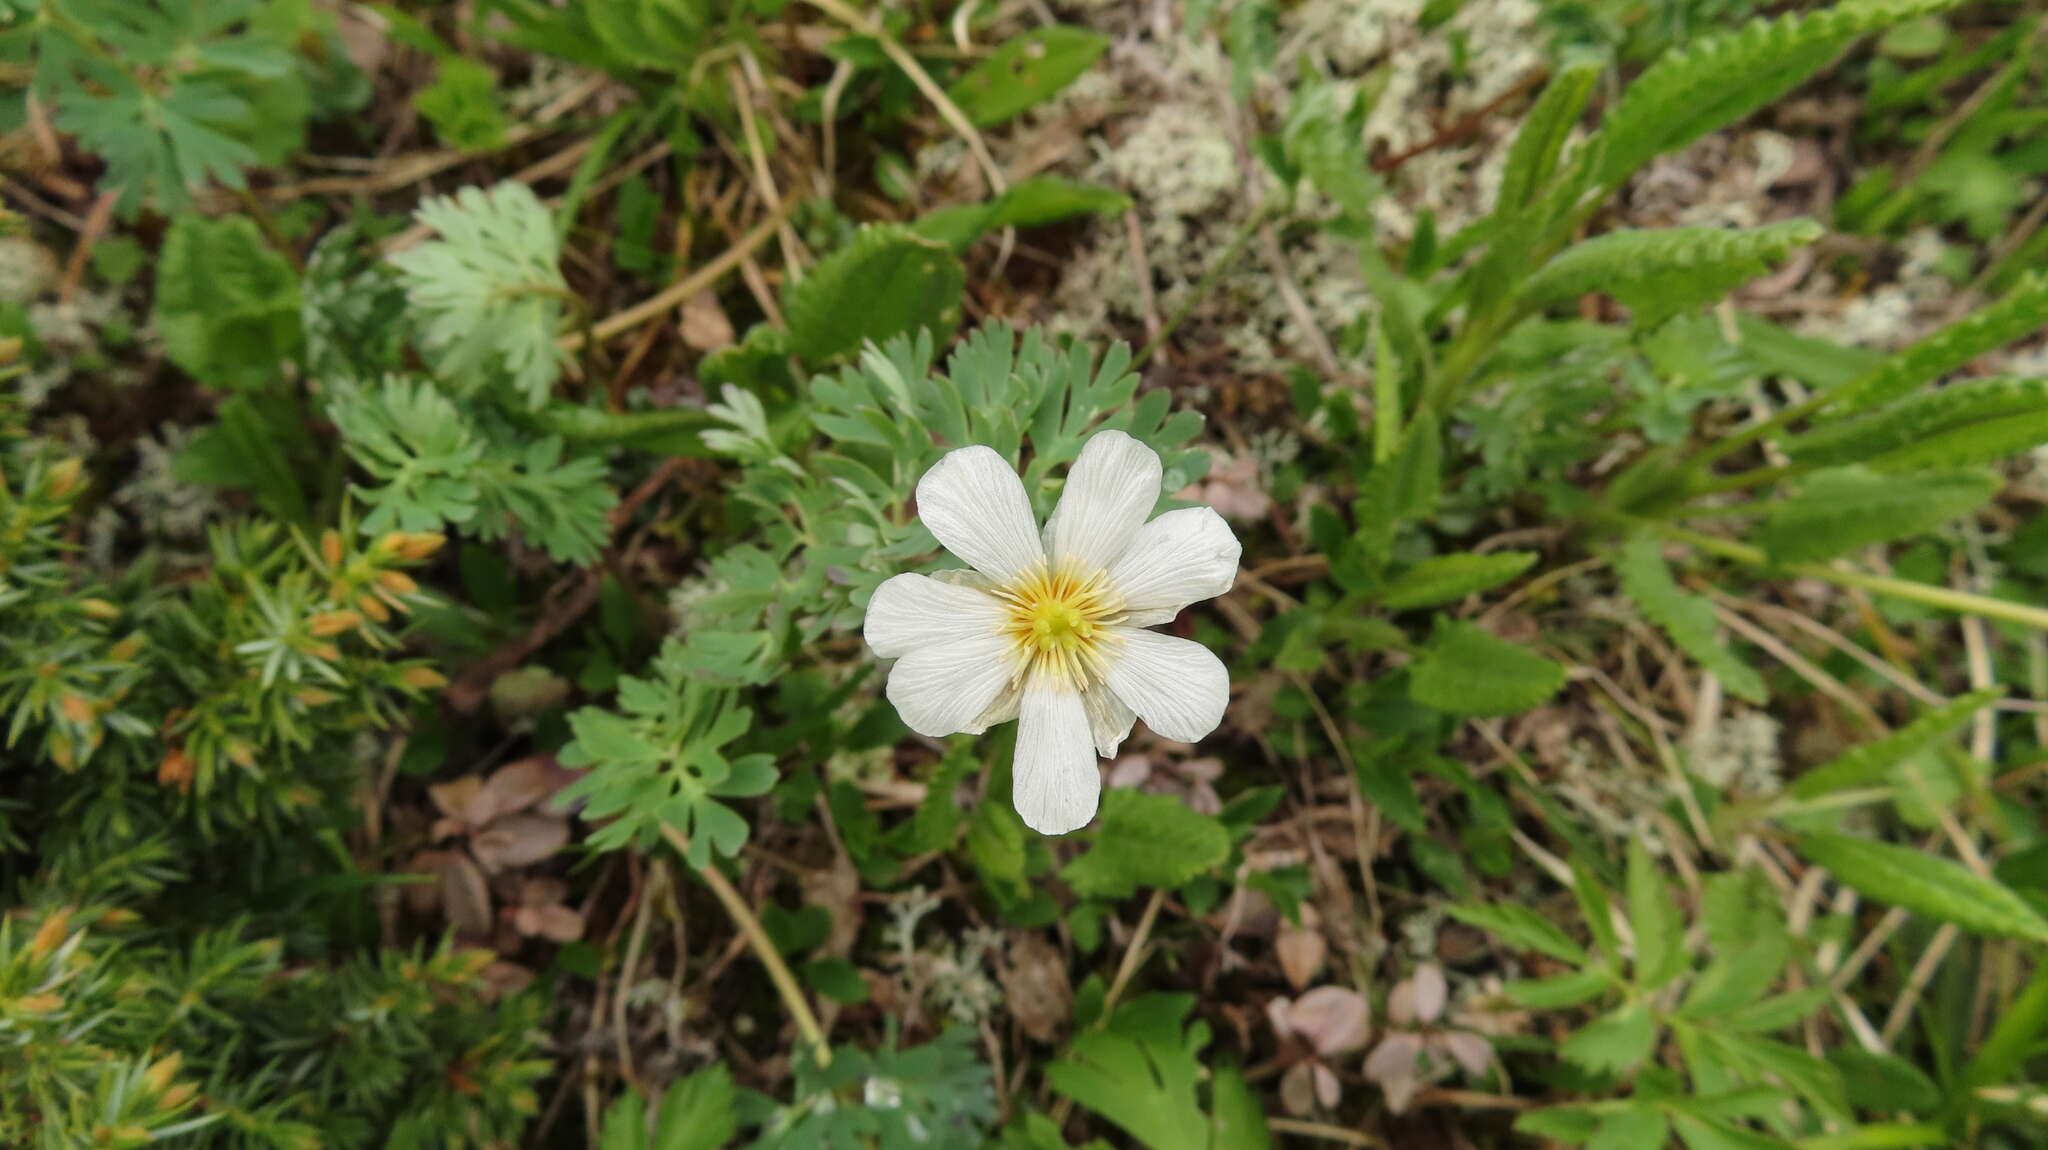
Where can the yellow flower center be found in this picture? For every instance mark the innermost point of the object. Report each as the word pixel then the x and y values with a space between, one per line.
pixel 1060 623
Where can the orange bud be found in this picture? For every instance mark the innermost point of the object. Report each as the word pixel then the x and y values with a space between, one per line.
pixel 374 607
pixel 99 608
pixel 62 753
pixel 327 651
pixel 178 1095
pixel 51 933
pixel 240 753
pixel 76 708
pixel 39 1003
pixel 334 622
pixel 424 678
pixel 118 918
pixel 10 349
pixel 338 590
pixel 420 544
pixel 127 648
pixel 397 582
pixel 314 696
pixel 330 547
pixel 176 770
pixel 161 1071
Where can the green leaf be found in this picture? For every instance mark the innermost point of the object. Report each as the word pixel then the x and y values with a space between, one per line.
pixel 1026 203
pixel 489 292
pixel 1146 840
pixel 1466 670
pixel 1869 764
pixel 1701 1133
pixel 1655 918
pixel 1689 619
pixel 1661 273
pixel 462 105
pixel 244 450
pixel 1025 71
pixel 1716 79
pixel 1637 1128
pixel 226 305
pixel 1141 1073
pixel 1842 509
pixel 836 979
pixel 1899 431
pixel 1519 926
pixel 1614 1042
pixel 1403 488
pixel 887 282
pixel 1236 1121
pixel 1926 885
pixel 1447 578
pixel 2022 312
pixel 625 1123
pixel 1559 991
pixel 1533 158
pixel 698 1112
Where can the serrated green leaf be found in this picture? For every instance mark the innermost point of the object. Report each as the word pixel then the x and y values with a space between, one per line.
pixel 1451 577
pixel 1614 1042
pixel 1655 919
pixel 1533 158
pixel 1637 1128
pixel 1716 79
pixel 1869 764
pixel 1559 991
pixel 1902 426
pixel 1689 619
pixel 226 305
pixel 1404 488
pixel 1141 1073
pixel 1146 840
pixel 887 282
pixel 2020 313
pixel 1025 71
pixel 1661 273
pixel 1519 926
pixel 1466 670
pixel 698 1112
pixel 1926 885
pixel 1841 509
pixel 1024 204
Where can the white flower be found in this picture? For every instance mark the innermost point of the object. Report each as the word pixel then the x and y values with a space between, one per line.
pixel 1049 629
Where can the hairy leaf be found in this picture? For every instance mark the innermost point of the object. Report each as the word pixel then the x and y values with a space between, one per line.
pixel 1661 273
pixel 888 281
pixel 2022 312
pixel 227 305
pixel 1899 435
pixel 1466 670
pixel 1927 885
pixel 1146 840
pixel 1450 577
pixel 1841 509
pixel 1871 763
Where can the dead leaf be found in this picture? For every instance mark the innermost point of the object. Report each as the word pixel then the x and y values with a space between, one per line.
pixel 519 840
pixel 1333 1019
pixel 1302 952
pixel 1034 977
pixel 1419 998
pixel 465 895
pixel 1298 1089
pixel 1329 1091
pixel 453 798
pixel 837 889
pixel 1472 1052
pixel 423 897
pixel 515 787
pixel 1393 1067
pixel 555 923
pixel 704 326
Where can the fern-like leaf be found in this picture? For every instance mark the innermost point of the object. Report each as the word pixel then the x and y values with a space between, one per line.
pixel 1533 159
pixel 2023 312
pixel 889 281
pixel 1660 273
pixel 489 292
pixel 1715 80
pixel 1687 618
pixel 1845 508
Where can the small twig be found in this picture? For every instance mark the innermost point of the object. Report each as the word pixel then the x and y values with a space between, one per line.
pixel 1466 126
pixel 1916 982
pixel 1327 1132
pixel 763 947
pixel 1827 684
pixel 764 180
pixel 95 224
pixel 674 294
pixel 1134 955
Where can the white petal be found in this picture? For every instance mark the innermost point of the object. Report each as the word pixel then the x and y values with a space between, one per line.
pixel 976 507
pixel 1111 489
pixel 1001 711
pixel 1182 557
pixel 1109 721
pixel 1178 687
pixel 911 611
pixel 1055 783
pixel 945 687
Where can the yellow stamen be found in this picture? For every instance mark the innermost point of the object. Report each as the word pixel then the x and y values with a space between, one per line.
pixel 1060 621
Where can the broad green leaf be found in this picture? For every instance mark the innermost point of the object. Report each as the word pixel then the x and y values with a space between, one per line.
pixel 1236 1121
pixel 1026 71
pixel 1842 509
pixel 1141 1073
pixel 1466 670
pixel 2020 313
pixel 1661 273
pixel 1559 991
pixel 1898 431
pixel 1026 203
pixel 698 1112
pixel 1146 840
pixel 1927 885
pixel 1403 489
pixel 1700 1133
pixel 1614 1042
pixel 1638 1128
pixel 1451 577
pixel 887 282
pixel 1519 926
pixel 1687 618
pixel 226 305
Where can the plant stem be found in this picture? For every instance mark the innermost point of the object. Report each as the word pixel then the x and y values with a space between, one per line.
pixel 763 948
pixel 1945 598
pixel 1245 234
